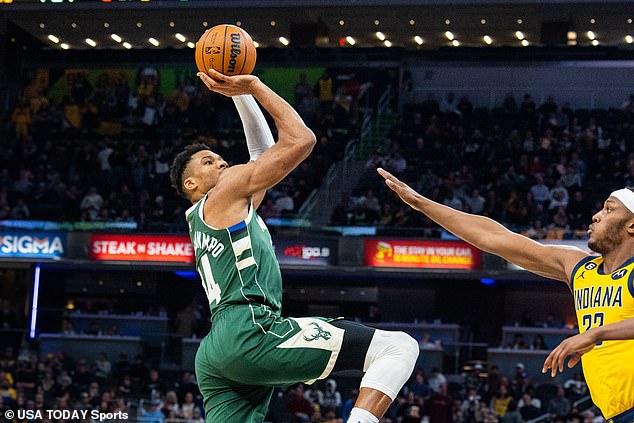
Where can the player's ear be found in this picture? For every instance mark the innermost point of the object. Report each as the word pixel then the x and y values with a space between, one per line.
pixel 190 184
pixel 630 226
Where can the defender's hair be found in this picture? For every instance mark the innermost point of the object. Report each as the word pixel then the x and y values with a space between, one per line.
pixel 180 163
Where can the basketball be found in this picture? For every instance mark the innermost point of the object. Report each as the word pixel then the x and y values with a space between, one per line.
pixel 227 49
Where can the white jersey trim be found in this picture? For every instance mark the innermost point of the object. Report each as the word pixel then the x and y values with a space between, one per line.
pixel 243 264
pixel 191 209
pixel 241 245
pixel 247 220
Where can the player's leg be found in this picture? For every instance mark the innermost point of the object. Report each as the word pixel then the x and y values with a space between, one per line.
pixel 387 358
pixel 292 350
pixel 237 404
pixel 225 401
pixel 276 351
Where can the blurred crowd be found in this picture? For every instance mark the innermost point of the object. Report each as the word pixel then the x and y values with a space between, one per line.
pixel 57 382
pixel 102 152
pixel 150 392
pixel 475 396
pixel 146 394
pixel 540 169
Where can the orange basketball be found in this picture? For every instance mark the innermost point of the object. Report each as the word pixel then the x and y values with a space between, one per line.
pixel 227 49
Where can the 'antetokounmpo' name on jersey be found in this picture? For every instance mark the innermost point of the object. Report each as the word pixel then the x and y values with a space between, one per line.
pixel 206 242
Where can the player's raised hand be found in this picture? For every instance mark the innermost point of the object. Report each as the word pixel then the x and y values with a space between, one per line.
pixel 229 85
pixel 576 346
pixel 404 191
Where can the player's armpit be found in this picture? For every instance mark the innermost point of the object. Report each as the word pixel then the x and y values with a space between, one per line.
pixel 257 198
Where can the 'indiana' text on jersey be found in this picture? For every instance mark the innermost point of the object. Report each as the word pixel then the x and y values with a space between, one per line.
pixel 602 299
pixel 237 265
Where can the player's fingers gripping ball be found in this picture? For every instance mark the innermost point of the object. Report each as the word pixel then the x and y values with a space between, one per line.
pixel 227 49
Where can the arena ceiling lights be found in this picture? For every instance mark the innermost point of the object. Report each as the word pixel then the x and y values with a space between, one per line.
pixel 404 23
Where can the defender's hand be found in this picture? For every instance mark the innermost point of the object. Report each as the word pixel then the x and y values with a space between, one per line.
pixel 229 85
pixel 404 191
pixel 577 345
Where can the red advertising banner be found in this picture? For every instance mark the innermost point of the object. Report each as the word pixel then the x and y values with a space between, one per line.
pixel 421 254
pixel 141 248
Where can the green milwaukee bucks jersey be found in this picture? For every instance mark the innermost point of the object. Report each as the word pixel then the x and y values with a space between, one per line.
pixel 237 265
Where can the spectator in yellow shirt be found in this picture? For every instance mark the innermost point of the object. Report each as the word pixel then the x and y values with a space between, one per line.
pixel 7 391
pixel 21 118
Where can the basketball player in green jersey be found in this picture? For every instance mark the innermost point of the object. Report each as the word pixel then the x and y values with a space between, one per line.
pixel 251 348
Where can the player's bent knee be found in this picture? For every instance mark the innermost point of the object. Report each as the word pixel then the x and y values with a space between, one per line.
pixel 395 345
pixel 391 360
pixel 410 347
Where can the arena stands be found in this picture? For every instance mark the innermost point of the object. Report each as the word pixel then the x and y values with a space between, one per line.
pixel 115 385
pixel 102 153
pixel 532 167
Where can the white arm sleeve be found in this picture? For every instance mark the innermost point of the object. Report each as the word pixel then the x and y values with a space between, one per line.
pixel 256 130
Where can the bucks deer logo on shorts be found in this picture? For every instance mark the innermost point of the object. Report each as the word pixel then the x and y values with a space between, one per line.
pixel 318 332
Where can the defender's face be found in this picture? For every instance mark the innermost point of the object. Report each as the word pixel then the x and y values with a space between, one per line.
pixel 609 226
pixel 203 172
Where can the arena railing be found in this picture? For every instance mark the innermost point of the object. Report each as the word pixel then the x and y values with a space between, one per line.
pixel 338 176
pixel 309 204
pixel 308 207
pixel 385 102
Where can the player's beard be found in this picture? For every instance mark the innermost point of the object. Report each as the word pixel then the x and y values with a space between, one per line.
pixel 610 241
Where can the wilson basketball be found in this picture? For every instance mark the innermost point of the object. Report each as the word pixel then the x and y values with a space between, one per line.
pixel 227 49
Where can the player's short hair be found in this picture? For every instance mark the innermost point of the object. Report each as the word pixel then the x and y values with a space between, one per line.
pixel 180 163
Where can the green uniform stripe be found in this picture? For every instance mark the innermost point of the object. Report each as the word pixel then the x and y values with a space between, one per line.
pixel 246 254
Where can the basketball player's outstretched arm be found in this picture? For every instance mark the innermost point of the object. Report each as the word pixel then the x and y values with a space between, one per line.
pixel 580 344
pixel 294 144
pixel 256 131
pixel 555 262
